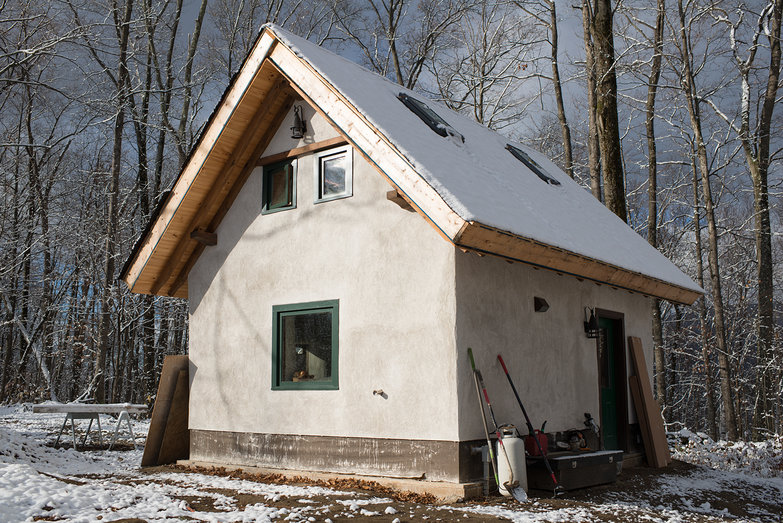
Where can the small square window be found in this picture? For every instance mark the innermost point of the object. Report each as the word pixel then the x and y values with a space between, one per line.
pixel 279 187
pixel 334 174
pixel 304 346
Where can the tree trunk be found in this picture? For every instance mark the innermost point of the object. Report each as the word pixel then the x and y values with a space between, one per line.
pixel 606 109
pixel 593 150
pixel 758 167
pixel 561 115
pixel 652 197
pixel 692 100
pixel 113 211
pixel 702 308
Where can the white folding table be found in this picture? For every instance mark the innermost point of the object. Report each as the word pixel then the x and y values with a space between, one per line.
pixel 92 412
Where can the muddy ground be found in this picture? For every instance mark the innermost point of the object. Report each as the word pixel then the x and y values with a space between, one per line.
pixel 636 496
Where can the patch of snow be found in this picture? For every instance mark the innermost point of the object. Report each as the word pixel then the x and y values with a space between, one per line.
pixel 762 458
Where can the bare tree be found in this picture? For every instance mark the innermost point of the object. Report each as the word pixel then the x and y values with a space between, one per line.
pixel 593 147
pixel 755 140
pixel 693 101
pixel 483 70
pixel 545 13
pixel 398 37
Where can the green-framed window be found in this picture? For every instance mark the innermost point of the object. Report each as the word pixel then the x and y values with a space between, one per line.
pixel 279 187
pixel 305 346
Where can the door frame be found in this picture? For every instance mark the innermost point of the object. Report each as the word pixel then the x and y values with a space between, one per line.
pixel 620 373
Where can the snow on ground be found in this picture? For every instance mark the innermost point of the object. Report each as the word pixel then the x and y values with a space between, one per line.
pixel 39 482
pixel 763 458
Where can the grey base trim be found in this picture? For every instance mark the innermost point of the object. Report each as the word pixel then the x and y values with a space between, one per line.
pixel 444 491
pixel 453 461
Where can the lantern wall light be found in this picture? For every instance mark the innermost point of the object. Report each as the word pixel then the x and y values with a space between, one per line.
pixel 299 128
pixel 591 324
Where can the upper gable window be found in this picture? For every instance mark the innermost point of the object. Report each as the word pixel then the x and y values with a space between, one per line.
pixel 531 164
pixel 279 187
pixel 334 174
pixel 430 117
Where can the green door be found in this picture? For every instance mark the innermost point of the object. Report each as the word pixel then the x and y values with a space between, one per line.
pixel 608 382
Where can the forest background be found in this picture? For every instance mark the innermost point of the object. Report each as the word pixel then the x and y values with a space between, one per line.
pixel 666 110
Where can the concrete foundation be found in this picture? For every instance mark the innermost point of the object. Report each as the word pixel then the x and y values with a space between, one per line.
pixel 443 491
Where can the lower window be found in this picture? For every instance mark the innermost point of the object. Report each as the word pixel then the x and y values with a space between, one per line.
pixel 304 345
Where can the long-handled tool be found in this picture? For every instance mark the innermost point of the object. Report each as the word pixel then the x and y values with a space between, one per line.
pixel 557 488
pixel 511 485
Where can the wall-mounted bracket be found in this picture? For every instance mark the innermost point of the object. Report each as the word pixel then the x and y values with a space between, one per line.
pixel 395 196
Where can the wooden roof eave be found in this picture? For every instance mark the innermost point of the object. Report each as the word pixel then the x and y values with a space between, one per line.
pixel 389 162
pixel 485 239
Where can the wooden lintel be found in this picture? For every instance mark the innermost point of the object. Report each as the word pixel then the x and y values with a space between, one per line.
pixel 204 237
pixel 299 151
pixel 395 196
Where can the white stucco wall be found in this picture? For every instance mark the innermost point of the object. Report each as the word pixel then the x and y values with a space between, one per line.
pixel 394 278
pixel 553 364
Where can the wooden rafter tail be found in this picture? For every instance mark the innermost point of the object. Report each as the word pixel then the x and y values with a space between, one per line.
pixel 206 238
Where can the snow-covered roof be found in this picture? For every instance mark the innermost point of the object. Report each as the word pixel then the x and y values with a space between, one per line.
pixel 481 181
pixel 467 184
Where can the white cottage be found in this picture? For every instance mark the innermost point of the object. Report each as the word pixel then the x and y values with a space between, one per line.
pixel 342 240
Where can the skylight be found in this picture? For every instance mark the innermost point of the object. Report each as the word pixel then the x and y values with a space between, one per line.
pixel 531 164
pixel 430 117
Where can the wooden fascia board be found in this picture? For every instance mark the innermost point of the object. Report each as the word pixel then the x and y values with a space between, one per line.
pixel 489 240
pixel 368 140
pixel 197 160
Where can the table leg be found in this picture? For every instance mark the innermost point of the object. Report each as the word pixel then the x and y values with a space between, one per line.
pixel 73 431
pixel 100 432
pixel 65 422
pixel 84 439
pixel 130 429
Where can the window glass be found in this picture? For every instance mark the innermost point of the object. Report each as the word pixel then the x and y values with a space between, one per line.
pixel 305 346
pixel 279 186
pixel 333 169
pixel 334 174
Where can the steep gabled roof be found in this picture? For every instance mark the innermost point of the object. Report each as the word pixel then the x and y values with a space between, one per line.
pixel 467 184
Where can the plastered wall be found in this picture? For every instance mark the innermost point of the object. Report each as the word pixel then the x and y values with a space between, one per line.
pixel 553 364
pixel 393 276
pixel 410 305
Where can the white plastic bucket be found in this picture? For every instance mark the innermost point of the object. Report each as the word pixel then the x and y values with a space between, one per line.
pixel 511 469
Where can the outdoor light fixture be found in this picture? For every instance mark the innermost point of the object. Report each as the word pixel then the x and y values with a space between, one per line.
pixel 299 128
pixel 591 325
pixel 540 304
